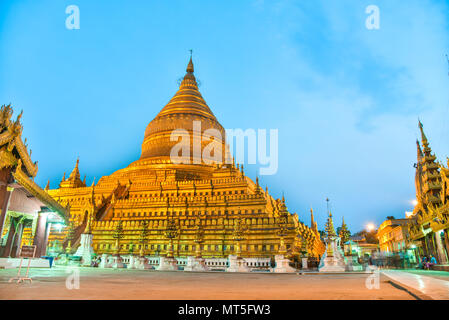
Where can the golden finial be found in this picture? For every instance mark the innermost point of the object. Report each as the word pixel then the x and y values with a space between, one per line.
pixel 423 135
pixel 190 65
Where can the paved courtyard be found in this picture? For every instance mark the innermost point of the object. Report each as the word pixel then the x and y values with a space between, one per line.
pixel 426 284
pixel 97 283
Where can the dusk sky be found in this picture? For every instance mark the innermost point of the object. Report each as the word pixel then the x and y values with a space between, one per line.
pixel 346 100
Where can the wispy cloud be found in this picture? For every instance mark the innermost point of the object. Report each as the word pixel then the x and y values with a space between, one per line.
pixel 359 94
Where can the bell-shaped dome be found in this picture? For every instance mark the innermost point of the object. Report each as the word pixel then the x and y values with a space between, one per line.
pixel 185 108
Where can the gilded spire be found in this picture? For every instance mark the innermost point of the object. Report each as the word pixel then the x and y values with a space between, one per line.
pixel 47 186
pixel 425 143
pixel 313 224
pixel 282 205
pixel 75 173
pixel 74 179
pixel 427 173
pixel 189 80
pixel 423 135
pixel 418 151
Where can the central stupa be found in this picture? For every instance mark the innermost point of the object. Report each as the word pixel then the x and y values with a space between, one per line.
pixel 201 202
pixel 186 106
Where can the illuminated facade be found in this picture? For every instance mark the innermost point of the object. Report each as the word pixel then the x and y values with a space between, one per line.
pixel 429 223
pixel 392 235
pixel 200 206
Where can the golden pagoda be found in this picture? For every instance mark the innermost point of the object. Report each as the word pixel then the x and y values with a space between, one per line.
pixel 428 226
pixel 187 208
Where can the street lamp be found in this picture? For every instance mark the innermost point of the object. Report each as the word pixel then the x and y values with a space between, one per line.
pixel 370 227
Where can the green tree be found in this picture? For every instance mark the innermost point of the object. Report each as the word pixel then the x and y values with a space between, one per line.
pixel 344 233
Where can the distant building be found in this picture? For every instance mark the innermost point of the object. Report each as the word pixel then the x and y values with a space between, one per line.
pixel 392 235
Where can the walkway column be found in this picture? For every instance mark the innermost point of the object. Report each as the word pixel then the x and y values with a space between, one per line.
pixel 5 193
pixel 17 241
pixel 12 234
pixel 440 250
pixel 40 235
pixel 446 240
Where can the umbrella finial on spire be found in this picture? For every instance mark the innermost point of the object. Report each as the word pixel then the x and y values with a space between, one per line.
pixel 190 65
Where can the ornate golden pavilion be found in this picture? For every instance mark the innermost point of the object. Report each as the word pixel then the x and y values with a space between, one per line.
pixel 429 224
pixel 214 208
pixel 27 212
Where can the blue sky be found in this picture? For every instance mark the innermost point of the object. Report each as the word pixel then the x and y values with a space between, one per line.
pixel 346 100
